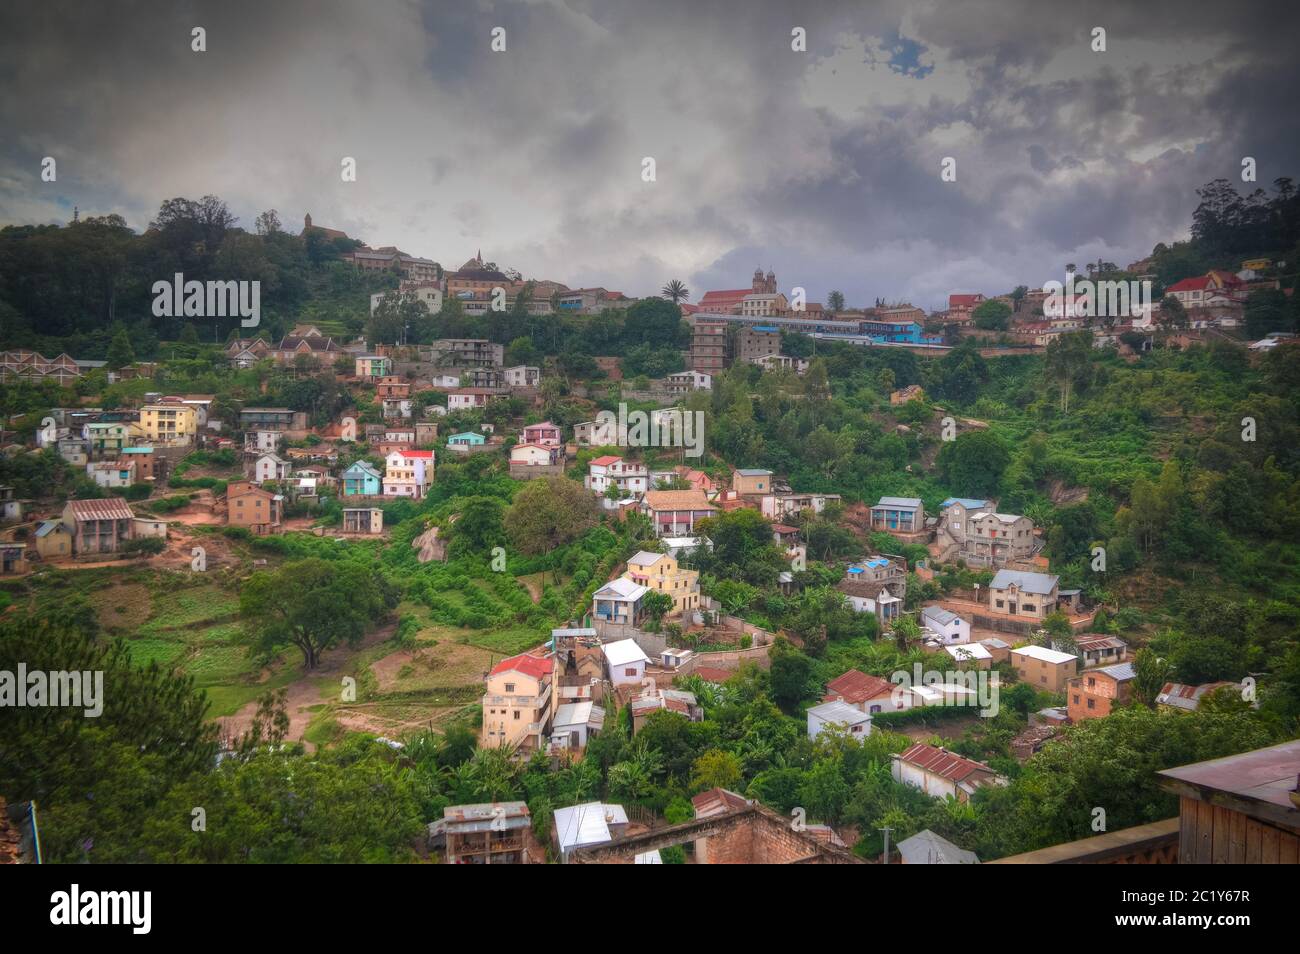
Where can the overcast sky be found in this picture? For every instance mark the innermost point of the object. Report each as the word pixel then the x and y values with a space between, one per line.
pixel 823 165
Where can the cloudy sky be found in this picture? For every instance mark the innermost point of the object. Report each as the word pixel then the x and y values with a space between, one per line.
pixel 823 165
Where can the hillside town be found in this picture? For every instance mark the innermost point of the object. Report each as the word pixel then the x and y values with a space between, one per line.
pixel 573 434
pixel 713 572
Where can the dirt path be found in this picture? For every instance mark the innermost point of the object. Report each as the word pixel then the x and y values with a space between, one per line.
pixel 309 689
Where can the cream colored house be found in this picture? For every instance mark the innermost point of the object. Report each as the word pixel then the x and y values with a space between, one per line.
pixel 169 423
pixel 661 572
pixel 517 705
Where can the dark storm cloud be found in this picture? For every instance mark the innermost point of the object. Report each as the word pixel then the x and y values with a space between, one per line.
pixel 821 165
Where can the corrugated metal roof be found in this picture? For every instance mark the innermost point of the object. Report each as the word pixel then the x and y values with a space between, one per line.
pixel 109 508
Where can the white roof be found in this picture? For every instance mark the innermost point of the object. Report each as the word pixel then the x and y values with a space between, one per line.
pixel 648 858
pixel 927 848
pixel 968 651
pixel 579 713
pixel 1045 654
pixel 839 713
pixel 622 587
pixel 586 824
pixel 623 652
pixel 932 695
pixel 646 557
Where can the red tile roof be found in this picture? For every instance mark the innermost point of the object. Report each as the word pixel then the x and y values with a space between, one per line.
pixel 855 686
pixel 606 460
pixel 964 301
pixel 526 663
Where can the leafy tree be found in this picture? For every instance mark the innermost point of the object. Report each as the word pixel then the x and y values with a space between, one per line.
pixel 548 513
pixel 716 768
pixel 992 315
pixel 974 463
pixel 313 604
pixel 120 353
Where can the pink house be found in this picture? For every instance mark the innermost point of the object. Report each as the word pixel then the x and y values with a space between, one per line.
pixel 543 433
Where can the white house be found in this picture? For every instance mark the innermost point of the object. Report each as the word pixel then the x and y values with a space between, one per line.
pixel 626 662
pixel 534 455
pixel 408 473
pixel 466 399
pixel 271 467
pixel 575 723
pixel 445 380
pixel 628 476
pixel 940 773
pixel 970 653
pixel 840 715
pixel 261 441
pixel 592 823
pixel 619 602
pixel 522 376
pixel 112 473
pixel 684 381
pixel 948 626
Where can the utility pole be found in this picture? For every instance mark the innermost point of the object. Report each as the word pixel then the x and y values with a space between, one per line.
pixel 886 830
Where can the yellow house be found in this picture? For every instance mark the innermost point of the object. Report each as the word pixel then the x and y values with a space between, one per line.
pixel 517 704
pixel 1256 264
pixel 169 423
pixel 659 571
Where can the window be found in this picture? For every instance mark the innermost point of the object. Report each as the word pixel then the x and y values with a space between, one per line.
pixel 1092 703
pixel 510 687
pixel 516 715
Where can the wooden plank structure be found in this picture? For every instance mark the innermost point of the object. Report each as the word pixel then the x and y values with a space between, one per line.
pixel 1238 810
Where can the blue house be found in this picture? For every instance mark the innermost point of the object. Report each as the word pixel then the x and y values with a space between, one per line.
pixel 466 439
pixel 362 480
pixel 898 515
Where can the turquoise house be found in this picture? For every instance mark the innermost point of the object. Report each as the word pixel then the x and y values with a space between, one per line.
pixel 362 480
pixel 467 439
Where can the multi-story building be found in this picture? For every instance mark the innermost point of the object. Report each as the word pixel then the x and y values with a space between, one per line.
pixel 1045 668
pixel 661 573
pixel 249 506
pixel 1094 693
pixel 107 438
pixel 518 704
pixel 630 477
pixel 271 419
pixel 112 474
pixel 757 341
pixel 522 376
pixel 1020 593
pixel 972 530
pixel 709 346
pixel 493 833
pixel 408 473
pixel 99 526
pixel 169 424
pixel 465 352
pixel 372 367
